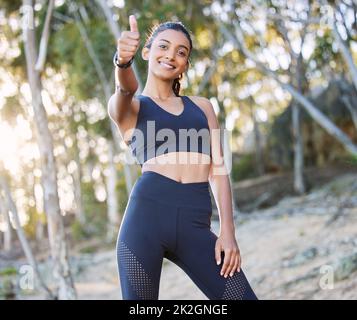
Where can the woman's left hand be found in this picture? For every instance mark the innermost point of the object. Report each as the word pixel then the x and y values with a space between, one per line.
pixel 232 260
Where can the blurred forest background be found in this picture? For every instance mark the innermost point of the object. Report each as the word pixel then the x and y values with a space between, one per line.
pixel 282 77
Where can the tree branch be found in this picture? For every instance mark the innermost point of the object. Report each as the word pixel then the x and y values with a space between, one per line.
pixel 314 112
pixel 40 63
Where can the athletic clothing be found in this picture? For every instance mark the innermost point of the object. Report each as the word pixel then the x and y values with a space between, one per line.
pixel 159 132
pixel 165 218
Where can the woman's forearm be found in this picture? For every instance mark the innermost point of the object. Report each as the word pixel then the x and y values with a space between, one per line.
pixel 125 78
pixel 221 189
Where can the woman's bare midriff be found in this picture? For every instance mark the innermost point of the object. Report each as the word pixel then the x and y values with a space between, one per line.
pixel 184 167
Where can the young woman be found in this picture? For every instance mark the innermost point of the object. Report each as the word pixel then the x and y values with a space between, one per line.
pixel 169 209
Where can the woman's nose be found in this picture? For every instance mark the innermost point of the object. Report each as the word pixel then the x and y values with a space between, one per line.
pixel 170 55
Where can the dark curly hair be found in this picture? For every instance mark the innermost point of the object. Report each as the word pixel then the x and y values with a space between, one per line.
pixel 155 30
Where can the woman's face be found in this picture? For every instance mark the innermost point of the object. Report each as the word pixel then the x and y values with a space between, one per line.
pixel 168 55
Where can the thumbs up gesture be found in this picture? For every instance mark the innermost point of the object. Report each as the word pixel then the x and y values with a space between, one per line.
pixel 129 42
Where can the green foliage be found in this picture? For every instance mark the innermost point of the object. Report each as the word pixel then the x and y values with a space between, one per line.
pixel 95 212
pixel 10 110
pixel 9 271
pixel 323 52
pixel 35 217
pixel 121 191
pixel 89 249
pixel 346 158
pixel 351 159
pixel 79 231
pixel 280 139
pixel 244 168
pixel 8 283
pixel 102 128
pixel 10 6
pixel 7 288
pixel 95 215
pixel 67 50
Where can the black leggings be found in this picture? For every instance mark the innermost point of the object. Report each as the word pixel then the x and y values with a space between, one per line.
pixel 169 219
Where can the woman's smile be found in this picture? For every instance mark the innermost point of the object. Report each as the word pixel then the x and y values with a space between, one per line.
pixel 166 66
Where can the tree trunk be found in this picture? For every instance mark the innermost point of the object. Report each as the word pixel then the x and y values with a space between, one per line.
pixel 61 269
pixel 299 185
pixel 345 52
pixel 297 75
pixel 8 228
pixel 257 140
pixel 10 206
pixel 112 196
pixel 351 108
pixel 77 178
pixel 39 232
pixel 40 225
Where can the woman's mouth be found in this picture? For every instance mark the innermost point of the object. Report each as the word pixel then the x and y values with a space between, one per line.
pixel 166 66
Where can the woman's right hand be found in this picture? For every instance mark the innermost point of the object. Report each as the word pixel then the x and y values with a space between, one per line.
pixel 128 42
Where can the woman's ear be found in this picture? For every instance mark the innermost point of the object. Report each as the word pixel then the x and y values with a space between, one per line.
pixel 145 53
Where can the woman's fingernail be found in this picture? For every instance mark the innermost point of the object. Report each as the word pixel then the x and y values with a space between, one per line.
pixel 218 262
pixel 231 274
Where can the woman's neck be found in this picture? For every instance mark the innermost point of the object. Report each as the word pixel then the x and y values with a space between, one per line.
pixel 158 89
pixel 158 95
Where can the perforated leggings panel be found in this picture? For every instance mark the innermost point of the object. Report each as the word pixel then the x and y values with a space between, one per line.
pixel 168 219
pixel 139 281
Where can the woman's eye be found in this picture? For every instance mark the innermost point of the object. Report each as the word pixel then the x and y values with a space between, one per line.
pixel 182 53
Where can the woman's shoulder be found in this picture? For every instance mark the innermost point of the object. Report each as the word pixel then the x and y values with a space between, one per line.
pixel 204 103
pixel 199 99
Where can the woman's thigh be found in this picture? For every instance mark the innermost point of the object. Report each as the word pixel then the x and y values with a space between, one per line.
pixel 195 254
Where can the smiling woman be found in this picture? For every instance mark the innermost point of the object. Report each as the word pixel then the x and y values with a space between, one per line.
pixel 169 211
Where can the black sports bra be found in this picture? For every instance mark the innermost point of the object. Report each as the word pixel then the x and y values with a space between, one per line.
pixel 158 131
